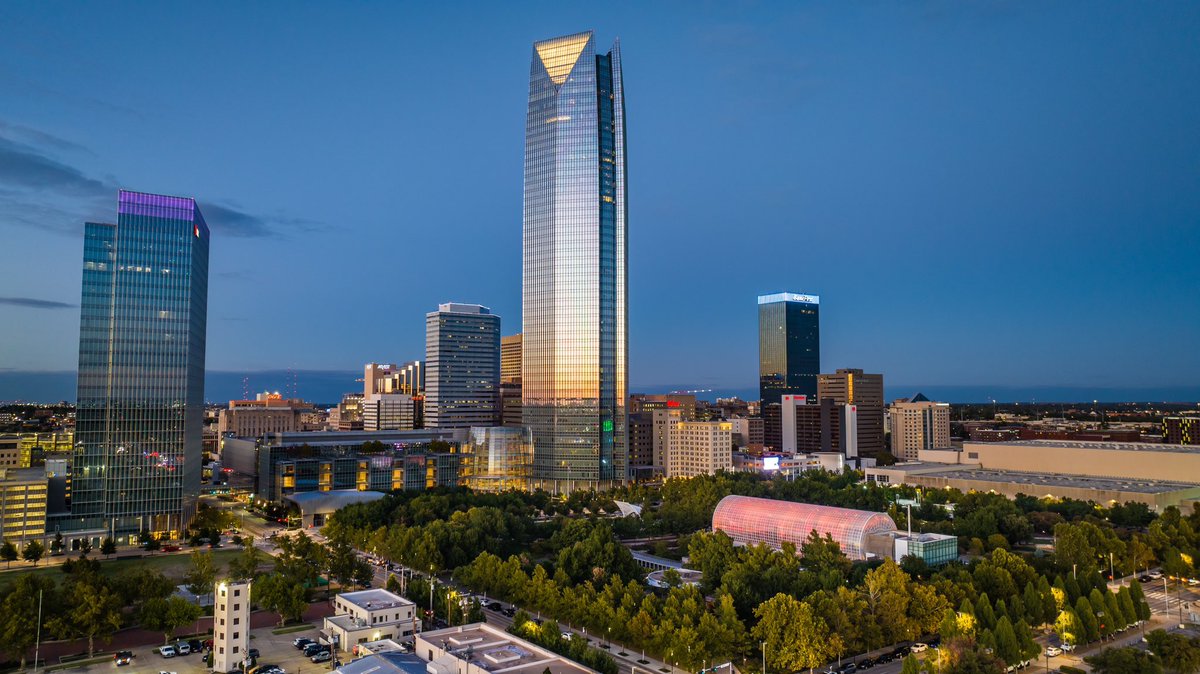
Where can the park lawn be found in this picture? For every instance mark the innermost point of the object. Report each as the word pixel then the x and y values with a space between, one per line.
pixel 172 565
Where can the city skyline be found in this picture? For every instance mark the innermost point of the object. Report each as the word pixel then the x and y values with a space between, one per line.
pixel 1035 251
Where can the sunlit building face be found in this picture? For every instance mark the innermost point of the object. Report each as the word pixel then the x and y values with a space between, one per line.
pixel 574 283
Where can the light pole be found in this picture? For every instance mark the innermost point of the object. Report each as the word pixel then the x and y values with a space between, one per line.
pixel 764 659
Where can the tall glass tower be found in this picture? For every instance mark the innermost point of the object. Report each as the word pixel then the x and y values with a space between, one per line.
pixel 140 409
pixel 789 346
pixel 574 317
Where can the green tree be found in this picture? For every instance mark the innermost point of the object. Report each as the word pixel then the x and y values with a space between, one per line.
pixel 795 637
pixel 1139 600
pixel 92 609
pixel 33 552
pixel 1124 661
pixel 167 615
pixel 1008 648
pixel 139 583
pixel 245 565
pixel 19 611
pixel 276 592
pixel 1178 652
pixel 1128 610
pixel 1069 627
pixel 201 573
pixel 911 665
pixel 108 547
pixel 56 545
pixel 1087 618
pixel 8 553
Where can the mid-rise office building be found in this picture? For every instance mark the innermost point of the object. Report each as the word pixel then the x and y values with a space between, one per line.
pixel 918 423
pixel 392 412
pixel 406 379
pixel 24 494
pixel 348 415
pixel 462 356
pixel 865 392
pixel 10 451
pixel 510 380
pixel 267 413
pixel 809 428
pixel 789 346
pixel 140 414
pixel 35 448
pixel 684 402
pixel 1181 430
pixel 748 432
pixel 698 448
pixel 574 278
pixel 641 445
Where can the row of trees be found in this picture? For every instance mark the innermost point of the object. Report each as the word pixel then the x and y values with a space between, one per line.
pixel 1176 653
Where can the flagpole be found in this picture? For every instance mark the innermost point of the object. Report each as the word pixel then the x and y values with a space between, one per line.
pixel 38 644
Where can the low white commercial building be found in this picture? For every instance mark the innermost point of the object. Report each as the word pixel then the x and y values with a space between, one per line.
pixel 480 648
pixel 367 616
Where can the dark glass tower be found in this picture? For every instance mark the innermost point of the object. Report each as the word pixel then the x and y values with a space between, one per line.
pixel 789 346
pixel 574 277
pixel 141 368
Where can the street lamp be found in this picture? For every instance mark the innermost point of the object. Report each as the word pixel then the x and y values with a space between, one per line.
pixel 764 659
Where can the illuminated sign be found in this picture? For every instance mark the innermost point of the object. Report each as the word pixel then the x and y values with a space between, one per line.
pixel 607 425
pixel 196 230
pixel 770 463
pixel 672 403
pixel 788 297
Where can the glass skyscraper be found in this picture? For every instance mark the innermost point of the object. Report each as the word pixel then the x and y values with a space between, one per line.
pixel 140 412
pixel 789 346
pixel 574 283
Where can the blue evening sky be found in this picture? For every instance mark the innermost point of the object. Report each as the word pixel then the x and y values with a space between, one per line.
pixel 982 193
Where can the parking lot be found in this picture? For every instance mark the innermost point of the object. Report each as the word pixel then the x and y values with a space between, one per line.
pixel 274 649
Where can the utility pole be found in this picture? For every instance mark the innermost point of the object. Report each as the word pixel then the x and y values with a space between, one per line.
pixel 38 647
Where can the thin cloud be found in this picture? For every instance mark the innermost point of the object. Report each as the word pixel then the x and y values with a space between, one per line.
pixel 44 192
pixel 34 303
pixel 24 166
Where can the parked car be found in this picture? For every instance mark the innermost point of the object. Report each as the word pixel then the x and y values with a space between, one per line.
pixel 566 635
pixel 1053 652
pixel 196 645
pixel 494 606
pixel 1155 575
pixel 182 648
pixel 301 642
pixel 844 668
pixel 167 651
pixel 509 611
pixel 919 647
pixel 867 663
pixel 323 656
pixel 312 649
pixel 253 652
pixel 123 658
pixel 170 548
pixel 1143 579
pixel 1067 647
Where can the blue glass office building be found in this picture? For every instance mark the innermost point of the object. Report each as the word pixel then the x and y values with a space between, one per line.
pixel 141 368
pixel 789 346
pixel 574 276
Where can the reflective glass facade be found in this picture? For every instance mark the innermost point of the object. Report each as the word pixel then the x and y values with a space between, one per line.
pixel 789 345
pixel 462 356
pixel 574 283
pixel 143 319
